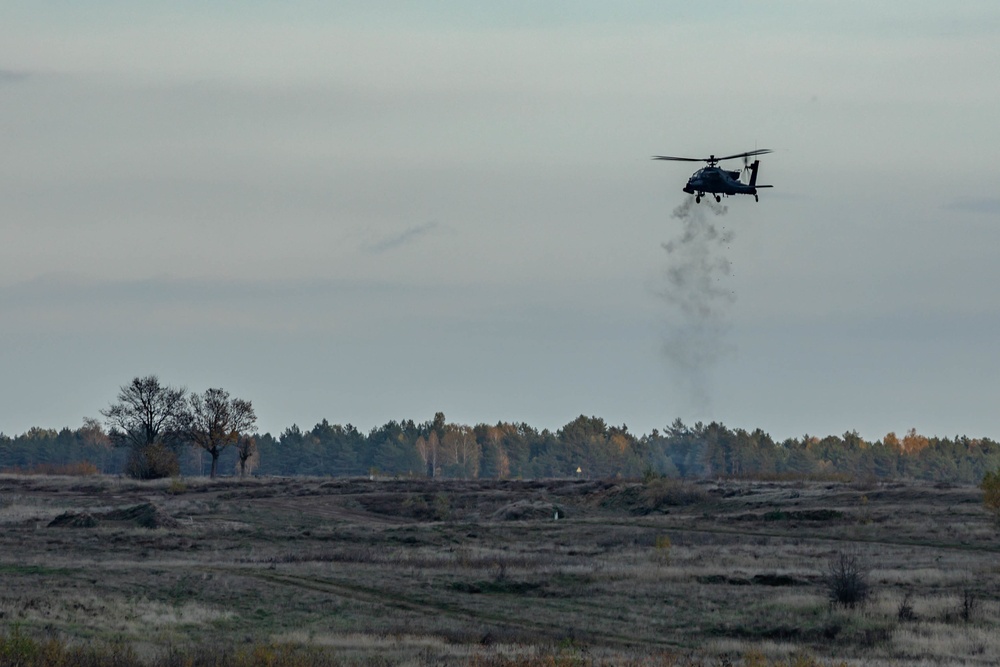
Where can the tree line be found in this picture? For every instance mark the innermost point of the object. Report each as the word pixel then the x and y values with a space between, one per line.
pixel 589 447
pixel 155 431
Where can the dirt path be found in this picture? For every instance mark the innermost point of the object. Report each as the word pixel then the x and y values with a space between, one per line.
pixel 398 600
pixel 327 508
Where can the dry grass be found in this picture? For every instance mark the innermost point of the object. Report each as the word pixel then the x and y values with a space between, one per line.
pixel 91 615
pixel 349 566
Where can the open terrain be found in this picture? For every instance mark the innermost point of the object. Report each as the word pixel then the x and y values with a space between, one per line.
pixel 429 572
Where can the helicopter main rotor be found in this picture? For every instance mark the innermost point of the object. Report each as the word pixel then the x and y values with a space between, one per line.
pixel 711 159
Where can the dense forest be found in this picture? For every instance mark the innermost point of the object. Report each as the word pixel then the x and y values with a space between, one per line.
pixel 585 447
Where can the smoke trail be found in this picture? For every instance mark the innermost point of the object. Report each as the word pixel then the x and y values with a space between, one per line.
pixel 697 297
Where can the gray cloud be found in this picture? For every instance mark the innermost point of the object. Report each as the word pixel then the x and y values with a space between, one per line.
pixel 404 238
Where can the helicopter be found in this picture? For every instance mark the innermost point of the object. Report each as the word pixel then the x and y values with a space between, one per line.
pixel 720 182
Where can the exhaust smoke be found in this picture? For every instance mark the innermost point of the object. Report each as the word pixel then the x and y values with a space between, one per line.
pixel 697 297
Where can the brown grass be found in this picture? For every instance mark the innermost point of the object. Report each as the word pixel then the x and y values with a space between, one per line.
pixel 361 571
pixel 80 469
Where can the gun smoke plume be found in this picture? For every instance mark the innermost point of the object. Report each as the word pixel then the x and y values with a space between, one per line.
pixel 697 297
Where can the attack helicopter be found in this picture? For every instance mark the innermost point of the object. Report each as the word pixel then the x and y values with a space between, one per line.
pixel 720 182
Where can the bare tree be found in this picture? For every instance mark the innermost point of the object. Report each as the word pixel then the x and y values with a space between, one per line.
pixel 249 455
pixel 460 451
pixel 149 418
pixel 92 435
pixel 427 449
pixel 218 421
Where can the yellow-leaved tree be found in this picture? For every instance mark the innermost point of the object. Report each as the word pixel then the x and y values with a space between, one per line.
pixel 991 492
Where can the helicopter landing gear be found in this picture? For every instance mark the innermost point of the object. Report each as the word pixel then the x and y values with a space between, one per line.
pixel 755 198
pixel 718 199
pixel 697 199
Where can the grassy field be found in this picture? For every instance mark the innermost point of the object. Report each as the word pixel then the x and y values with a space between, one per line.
pixel 423 572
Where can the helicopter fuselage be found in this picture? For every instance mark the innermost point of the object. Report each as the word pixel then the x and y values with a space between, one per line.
pixel 722 182
pixel 718 181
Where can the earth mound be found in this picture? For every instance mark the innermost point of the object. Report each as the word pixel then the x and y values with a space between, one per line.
pixel 528 510
pixel 73 520
pixel 145 515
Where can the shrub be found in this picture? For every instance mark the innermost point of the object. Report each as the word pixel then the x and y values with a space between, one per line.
pixel 905 611
pixel 847 579
pixel 176 486
pixel 865 515
pixel 663 549
pixel 442 507
pixel 152 462
pixel 969 605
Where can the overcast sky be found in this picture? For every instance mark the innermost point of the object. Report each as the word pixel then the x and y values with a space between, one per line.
pixel 363 211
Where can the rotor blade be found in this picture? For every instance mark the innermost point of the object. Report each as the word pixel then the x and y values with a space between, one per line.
pixel 679 159
pixel 760 151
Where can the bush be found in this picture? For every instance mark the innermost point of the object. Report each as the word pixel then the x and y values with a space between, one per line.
pixel 663 545
pixel 176 486
pixel 847 579
pixel 905 612
pixel 969 605
pixel 153 462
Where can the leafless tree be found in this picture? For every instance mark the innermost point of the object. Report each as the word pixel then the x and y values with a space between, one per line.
pixel 218 421
pixel 246 450
pixel 460 451
pixel 149 418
